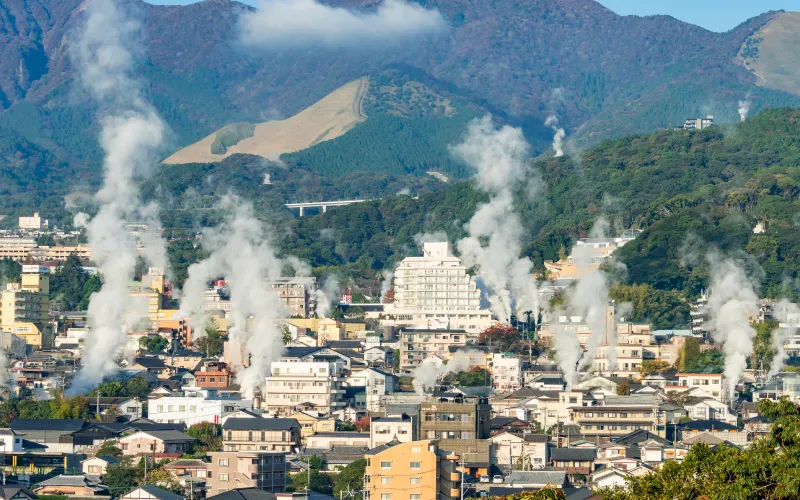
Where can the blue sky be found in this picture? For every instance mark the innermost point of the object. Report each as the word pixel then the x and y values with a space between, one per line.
pixel 715 15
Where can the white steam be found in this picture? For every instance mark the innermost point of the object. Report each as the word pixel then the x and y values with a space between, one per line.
pixel 386 284
pixel 788 314
pixel 326 297
pixel 744 108
pixel 240 251
pixel 131 134
pixel 558 137
pixel 732 299
pixel 568 350
pixel 308 23
pixel 432 369
pixel 80 220
pixel 499 157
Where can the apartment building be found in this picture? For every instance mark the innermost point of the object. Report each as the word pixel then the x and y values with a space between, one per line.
pixel 293 383
pixel 435 290
pixel 296 294
pixel 24 306
pixel 399 428
pixel 193 405
pixel 231 470
pixel 618 418
pixel 25 253
pixel 34 223
pixel 714 385
pixel 213 375
pixel 165 442
pixel 376 383
pixel 418 470
pixel 261 434
pixel 418 344
pixel 506 371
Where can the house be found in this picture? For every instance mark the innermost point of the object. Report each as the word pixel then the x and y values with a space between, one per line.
pixel 193 405
pixel 379 356
pixel 261 434
pixel 246 469
pixel 385 429
pixel 10 441
pixel 514 424
pixel 15 492
pixel 328 440
pixel 164 443
pixel 154 366
pixel 608 478
pixel 708 408
pixel 511 450
pixel 75 486
pixel 573 460
pixel 240 413
pixel 377 384
pixel 150 492
pixel 54 434
pixel 311 422
pixel 96 466
pixel 130 408
pixel 536 479
pixel 187 468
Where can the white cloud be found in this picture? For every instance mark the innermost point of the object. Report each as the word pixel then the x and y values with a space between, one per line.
pixel 304 23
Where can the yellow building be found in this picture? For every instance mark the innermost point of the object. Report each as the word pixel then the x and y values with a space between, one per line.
pixel 329 329
pixel 412 471
pixel 311 424
pixel 24 306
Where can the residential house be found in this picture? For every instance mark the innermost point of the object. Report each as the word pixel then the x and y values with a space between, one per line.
pixel 74 486
pixel 385 429
pixel 311 422
pixel 379 356
pixel 573 460
pixel 518 451
pixel 512 424
pixel 376 383
pixel 15 492
pixel 609 478
pixel 96 466
pixel 708 408
pixel 131 408
pixel 193 405
pixel 187 468
pixel 153 365
pixel 158 443
pixel 536 479
pixel 230 470
pixel 54 434
pixel 415 471
pixel 213 375
pixel 261 434
pixel 10 441
pixel 327 440
pixel 150 492
pixel 714 384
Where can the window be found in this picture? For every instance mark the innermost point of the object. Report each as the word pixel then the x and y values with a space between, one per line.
pixel 223 477
pixel 416 449
pixel 160 408
pixel 201 473
pixel 386 465
pixel 416 465
pixel 386 496
pixel 386 480
pixel 223 462
pixel 181 408
pixel 416 496
pixel 416 480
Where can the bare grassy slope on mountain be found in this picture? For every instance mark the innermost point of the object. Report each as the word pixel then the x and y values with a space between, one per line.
pixel 771 53
pixel 327 119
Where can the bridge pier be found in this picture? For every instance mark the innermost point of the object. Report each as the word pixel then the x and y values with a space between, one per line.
pixel 301 211
pixel 324 208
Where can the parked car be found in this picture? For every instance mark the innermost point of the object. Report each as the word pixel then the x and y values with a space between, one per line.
pixel 485 478
pixel 497 479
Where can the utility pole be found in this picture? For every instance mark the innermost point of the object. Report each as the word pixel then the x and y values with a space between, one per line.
pixel 98 403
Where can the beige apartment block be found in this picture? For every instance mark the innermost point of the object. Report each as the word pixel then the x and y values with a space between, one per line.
pixel 412 471
pixel 246 469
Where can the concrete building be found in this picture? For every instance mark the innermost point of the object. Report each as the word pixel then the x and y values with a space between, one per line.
pixel 418 470
pixel 376 383
pixel 246 469
pixel 418 344
pixel 511 451
pixel 24 306
pixel 213 375
pixel 193 405
pixel 312 423
pixel 261 434
pixel 698 123
pixel 294 382
pixel 33 223
pixel 399 428
pixel 587 256
pixel 506 371
pixel 44 254
pixel 435 291
pixel 296 294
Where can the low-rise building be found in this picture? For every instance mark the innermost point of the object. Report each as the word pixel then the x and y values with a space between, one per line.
pixel 417 471
pixel 399 428
pixel 311 423
pixel 519 451
pixel 231 470
pixel 261 434
pixel 73 486
pixel 417 345
pixel 159 443
pixel 294 382
pixel 506 371
pixel 150 492
pixel 328 440
pixel 193 405
pixel 96 466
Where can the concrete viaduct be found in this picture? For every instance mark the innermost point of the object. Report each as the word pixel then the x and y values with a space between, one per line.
pixel 322 204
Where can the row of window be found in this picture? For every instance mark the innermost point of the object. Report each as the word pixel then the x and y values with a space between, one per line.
pixel 412 465
pixel 613 414
pixel 615 427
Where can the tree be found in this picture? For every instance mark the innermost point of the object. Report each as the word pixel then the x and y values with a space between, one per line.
pixel 763 350
pixel 708 361
pixel 153 344
pixel 650 366
pixel 624 388
pixel 45 240
pixel 208 435
pixel 504 337
pixel 345 426
pixel 110 389
pixel 476 377
pixel 137 386
pixel 93 284
pixel 396 360
pixel 69 281
pixel 690 350
pixel 350 478
pixel 109 449
pixel 10 271
pixel 320 482
pixel 120 478
pixel 362 424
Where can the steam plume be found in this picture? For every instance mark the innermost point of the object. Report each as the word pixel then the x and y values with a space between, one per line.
pixel 744 108
pixel 131 134
pixel 240 250
pixel 386 284
pixel 304 23
pixel 326 297
pixel 427 373
pixel 568 350
pixel 558 138
pixel 732 300
pixel 788 314
pixel 499 157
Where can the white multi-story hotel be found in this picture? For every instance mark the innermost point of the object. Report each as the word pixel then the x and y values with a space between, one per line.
pixel 295 383
pixel 193 405
pixel 435 291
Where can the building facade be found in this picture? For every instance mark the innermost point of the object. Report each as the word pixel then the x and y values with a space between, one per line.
pixel 293 383
pixel 418 470
pixel 246 469
pixel 261 434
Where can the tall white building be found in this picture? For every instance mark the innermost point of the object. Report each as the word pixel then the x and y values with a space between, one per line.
pixel 193 405
pixel 35 223
pixel 435 291
pixel 294 382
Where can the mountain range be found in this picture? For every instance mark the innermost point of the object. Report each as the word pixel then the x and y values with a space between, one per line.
pixel 603 75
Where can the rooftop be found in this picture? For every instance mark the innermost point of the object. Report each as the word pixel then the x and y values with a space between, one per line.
pixel 261 424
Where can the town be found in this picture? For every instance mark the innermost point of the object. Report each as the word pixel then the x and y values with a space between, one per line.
pixel 411 389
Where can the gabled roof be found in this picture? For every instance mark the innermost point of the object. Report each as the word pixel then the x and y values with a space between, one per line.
pixel 260 424
pixel 558 478
pixel 166 436
pixel 106 459
pixel 32 424
pixel 188 463
pixel 707 425
pixel 155 492
pixel 149 362
pixel 579 454
pixel 248 494
pixel 639 436
pixel 501 422
pixel 299 352
pixel 64 480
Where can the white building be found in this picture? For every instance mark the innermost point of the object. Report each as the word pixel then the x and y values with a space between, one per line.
pixel 34 223
pixel 376 383
pixel 294 382
pixel 10 441
pixel 194 405
pixel 385 429
pixel 435 291
pixel 516 451
pixel 506 372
